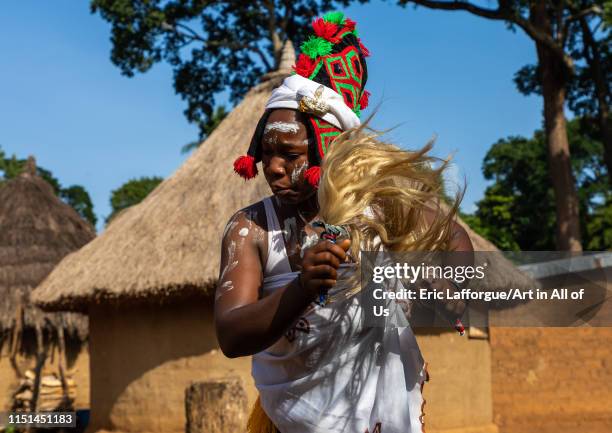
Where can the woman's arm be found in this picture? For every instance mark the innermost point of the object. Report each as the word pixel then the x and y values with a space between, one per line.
pixel 461 253
pixel 246 324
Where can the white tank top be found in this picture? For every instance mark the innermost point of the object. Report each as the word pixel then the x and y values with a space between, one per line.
pixel 331 374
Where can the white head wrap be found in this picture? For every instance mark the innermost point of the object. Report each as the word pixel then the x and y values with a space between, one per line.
pixel 295 87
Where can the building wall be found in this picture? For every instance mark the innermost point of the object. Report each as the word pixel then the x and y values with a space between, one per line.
pixel 552 379
pixel 557 380
pixel 144 357
pixel 78 369
pixel 458 394
pixel 8 382
pixel 522 380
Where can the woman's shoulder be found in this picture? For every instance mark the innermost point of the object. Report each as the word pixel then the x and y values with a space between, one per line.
pixel 250 217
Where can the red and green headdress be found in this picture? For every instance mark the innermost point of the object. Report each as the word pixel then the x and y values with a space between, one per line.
pixel 328 84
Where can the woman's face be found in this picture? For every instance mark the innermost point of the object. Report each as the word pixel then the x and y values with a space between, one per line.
pixel 285 156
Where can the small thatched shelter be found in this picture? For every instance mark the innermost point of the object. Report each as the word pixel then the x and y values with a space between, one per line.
pixel 37 230
pixel 147 282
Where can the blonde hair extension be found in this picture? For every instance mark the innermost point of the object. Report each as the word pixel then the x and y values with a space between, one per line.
pixel 381 193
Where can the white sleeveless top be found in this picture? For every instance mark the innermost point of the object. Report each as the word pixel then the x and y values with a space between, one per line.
pixel 331 374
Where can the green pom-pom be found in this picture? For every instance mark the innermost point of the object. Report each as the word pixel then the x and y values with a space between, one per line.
pixel 315 47
pixel 334 17
pixel 356 33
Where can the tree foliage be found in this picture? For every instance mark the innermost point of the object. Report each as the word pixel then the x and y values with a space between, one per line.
pixel 212 46
pixel 518 209
pixel 554 27
pixel 75 196
pixel 588 43
pixel 131 193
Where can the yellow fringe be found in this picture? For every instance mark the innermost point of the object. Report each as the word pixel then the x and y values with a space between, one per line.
pixel 259 421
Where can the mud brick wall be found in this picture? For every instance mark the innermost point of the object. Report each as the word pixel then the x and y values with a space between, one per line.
pixel 552 379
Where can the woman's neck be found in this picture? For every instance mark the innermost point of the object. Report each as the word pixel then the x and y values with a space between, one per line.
pixel 309 208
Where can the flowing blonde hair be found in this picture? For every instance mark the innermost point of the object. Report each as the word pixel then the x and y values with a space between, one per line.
pixel 381 192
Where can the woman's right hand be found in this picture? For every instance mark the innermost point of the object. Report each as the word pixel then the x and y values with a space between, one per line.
pixel 320 265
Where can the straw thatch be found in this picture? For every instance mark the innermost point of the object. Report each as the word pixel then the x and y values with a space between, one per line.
pixel 168 245
pixel 37 230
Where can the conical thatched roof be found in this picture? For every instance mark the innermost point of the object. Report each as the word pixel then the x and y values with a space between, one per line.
pixel 169 244
pixel 37 230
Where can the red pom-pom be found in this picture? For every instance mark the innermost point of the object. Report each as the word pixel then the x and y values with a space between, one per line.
pixel 349 24
pixel 304 65
pixel 364 50
pixel 313 175
pixel 364 100
pixel 246 167
pixel 325 30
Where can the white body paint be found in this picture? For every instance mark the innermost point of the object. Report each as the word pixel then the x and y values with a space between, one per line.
pixel 224 288
pixel 243 231
pixel 309 241
pixel 290 127
pixel 231 263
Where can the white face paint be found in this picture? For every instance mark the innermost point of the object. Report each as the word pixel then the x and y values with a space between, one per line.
pixel 243 232
pixel 297 172
pixel 290 127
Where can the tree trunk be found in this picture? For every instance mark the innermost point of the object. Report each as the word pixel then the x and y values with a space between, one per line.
pixel 554 77
pixel 564 185
pixel 601 91
pixel 603 115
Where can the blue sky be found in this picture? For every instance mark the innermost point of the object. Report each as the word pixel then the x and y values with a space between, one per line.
pixel 439 73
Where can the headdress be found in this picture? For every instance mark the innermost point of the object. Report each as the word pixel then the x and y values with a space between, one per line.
pixel 328 84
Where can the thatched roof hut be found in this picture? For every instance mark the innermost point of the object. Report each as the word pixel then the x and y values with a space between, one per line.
pixel 37 230
pixel 168 245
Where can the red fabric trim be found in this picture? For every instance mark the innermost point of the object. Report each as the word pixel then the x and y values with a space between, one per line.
pixel 364 100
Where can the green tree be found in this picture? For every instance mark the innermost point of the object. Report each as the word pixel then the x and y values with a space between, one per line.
pixel 518 209
pixel 211 124
pixel 553 26
pixel 212 46
pixel 78 197
pixel 588 89
pixel 130 193
pixel 75 196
